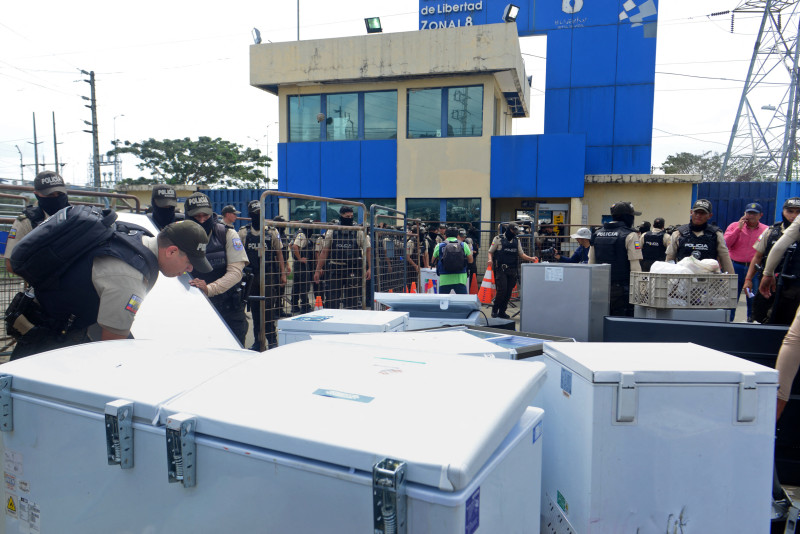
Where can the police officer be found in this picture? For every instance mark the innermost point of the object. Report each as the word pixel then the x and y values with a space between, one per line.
pixel 51 196
pixel 229 214
pixel 654 245
pixel 472 268
pixel 226 254
pixel 701 237
pixel 416 256
pixel 504 255
pixel 548 244
pixel 617 244
pixel 790 292
pixel 274 274
pixel 98 296
pixel 346 249
pixel 303 266
pixel 163 202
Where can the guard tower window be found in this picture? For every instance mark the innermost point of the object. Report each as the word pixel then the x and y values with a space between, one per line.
pixel 445 112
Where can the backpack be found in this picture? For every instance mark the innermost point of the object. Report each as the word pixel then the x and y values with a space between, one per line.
pixel 453 258
pixel 46 253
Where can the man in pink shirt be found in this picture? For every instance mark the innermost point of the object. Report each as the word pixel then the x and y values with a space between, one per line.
pixel 740 237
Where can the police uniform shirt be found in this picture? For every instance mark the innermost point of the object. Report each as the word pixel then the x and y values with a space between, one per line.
pixel 790 235
pixel 236 258
pixel 300 240
pixel 121 289
pixel 723 256
pixel 497 243
pixel 21 227
pixel 411 244
pixel 362 240
pixel 632 245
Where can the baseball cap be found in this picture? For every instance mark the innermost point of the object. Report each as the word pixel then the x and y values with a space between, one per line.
pixel 702 204
pixel 254 206
pixel 582 233
pixel 48 182
pixel 191 239
pixel 624 208
pixel 164 196
pixel 754 207
pixel 196 204
pixel 345 209
pixel 793 202
pixel 230 209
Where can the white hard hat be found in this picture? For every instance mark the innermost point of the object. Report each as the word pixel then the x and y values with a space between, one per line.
pixel 582 233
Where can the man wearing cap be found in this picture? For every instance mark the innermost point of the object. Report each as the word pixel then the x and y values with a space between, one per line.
pixel 51 196
pixel 346 248
pixel 700 237
pixel 583 236
pixel 274 274
pixel 229 214
pixel 225 253
pixel 163 203
pixel 617 244
pixel 786 308
pixel 302 267
pixel 740 236
pixel 504 255
pixel 98 297
pixel 654 244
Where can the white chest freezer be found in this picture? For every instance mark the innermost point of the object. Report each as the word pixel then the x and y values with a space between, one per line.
pixel 656 438
pixel 310 437
pixel 329 321
pixel 442 342
pixel 432 311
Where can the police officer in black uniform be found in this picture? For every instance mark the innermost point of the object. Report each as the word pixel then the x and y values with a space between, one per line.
pixel 504 254
pixel 654 245
pixel 701 237
pixel 225 252
pixel 617 244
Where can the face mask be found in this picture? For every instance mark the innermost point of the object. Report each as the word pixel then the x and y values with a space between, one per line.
pixel 208 225
pixel 510 235
pixel 163 216
pixel 786 222
pixel 697 227
pixel 346 221
pixel 50 205
pixel 255 220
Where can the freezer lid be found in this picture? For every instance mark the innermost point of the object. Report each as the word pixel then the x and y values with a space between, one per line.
pixel 344 321
pixel 148 373
pixel 352 406
pixel 429 304
pixel 668 363
pixel 450 342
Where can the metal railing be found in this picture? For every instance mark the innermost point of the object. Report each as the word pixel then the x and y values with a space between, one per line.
pixel 75 193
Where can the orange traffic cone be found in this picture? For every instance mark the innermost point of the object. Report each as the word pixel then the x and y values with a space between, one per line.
pixel 405 290
pixel 391 290
pixel 318 303
pixel 473 287
pixel 413 287
pixel 429 286
pixel 515 292
pixel 487 291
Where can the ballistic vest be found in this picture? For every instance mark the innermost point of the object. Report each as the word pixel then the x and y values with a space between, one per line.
pixel 794 266
pixel 705 244
pixel 653 248
pixel 215 254
pixel 344 247
pixel 609 247
pixel 251 243
pixel 508 252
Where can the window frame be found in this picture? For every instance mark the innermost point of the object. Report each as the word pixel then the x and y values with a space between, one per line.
pixel 323 106
pixel 445 111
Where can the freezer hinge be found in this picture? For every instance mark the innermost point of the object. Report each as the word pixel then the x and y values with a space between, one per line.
pixel 181 449
pixel 626 398
pixel 119 433
pixel 6 404
pixel 748 399
pixel 389 497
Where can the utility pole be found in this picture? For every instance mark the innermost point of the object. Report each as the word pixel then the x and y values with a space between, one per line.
pixel 35 145
pixel 21 167
pixel 95 138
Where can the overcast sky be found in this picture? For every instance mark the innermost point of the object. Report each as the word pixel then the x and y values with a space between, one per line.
pixel 174 69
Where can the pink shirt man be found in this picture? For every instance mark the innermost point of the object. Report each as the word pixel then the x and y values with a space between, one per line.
pixel 740 236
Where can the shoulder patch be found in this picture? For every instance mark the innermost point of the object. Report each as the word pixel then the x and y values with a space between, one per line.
pixel 637 245
pixel 133 304
pixel 12 234
pixel 237 243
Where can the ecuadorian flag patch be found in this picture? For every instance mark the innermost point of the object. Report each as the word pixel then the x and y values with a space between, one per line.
pixel 133 304
pixel 637 245
pixel 12 234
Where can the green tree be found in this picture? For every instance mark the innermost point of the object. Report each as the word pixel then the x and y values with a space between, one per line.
pixel 707 164
pixel 206 162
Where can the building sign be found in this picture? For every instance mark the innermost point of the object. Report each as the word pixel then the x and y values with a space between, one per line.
pixel 458 14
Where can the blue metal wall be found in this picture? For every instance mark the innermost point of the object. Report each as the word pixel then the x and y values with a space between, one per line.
pixel 239 198
pixel 537 166
pixel 339 169
pixel 729 199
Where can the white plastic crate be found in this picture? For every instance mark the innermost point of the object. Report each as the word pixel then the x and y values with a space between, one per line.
pixel 665 290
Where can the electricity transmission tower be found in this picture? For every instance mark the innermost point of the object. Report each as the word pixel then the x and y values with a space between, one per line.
pixel 763 145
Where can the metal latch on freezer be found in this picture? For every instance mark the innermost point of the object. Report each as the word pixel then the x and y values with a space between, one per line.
pixel 626 398
pixel 748 399
pixel 181 449
pixel 119 433
pixel 389 497
pixel 6 404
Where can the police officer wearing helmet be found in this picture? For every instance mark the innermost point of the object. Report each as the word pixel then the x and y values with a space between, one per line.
pixel 654 244
pixel 163 202
pixel 225 252
pixel 274 274
pixel 303 266
pixel 701 237
pixel 504 254
pixel 790 292
pixel 346 249
pixel 51 196
pixel 98 296
pixel 617 244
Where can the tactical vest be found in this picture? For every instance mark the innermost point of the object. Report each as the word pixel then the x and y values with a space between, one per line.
pixel 508 252
pixel 705 244
pixel 794 266
pixel 653 248
pixel 307 251
pixel 609 247
pixel 215 254
pixel 251 243
pixel 35 214
pixel 75 295
pixel 344 247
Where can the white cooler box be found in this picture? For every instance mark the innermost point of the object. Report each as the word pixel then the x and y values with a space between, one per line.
pixel 442 342
pixel 656 438
pixel 432 311
pixel 312 437
pixel 330 321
